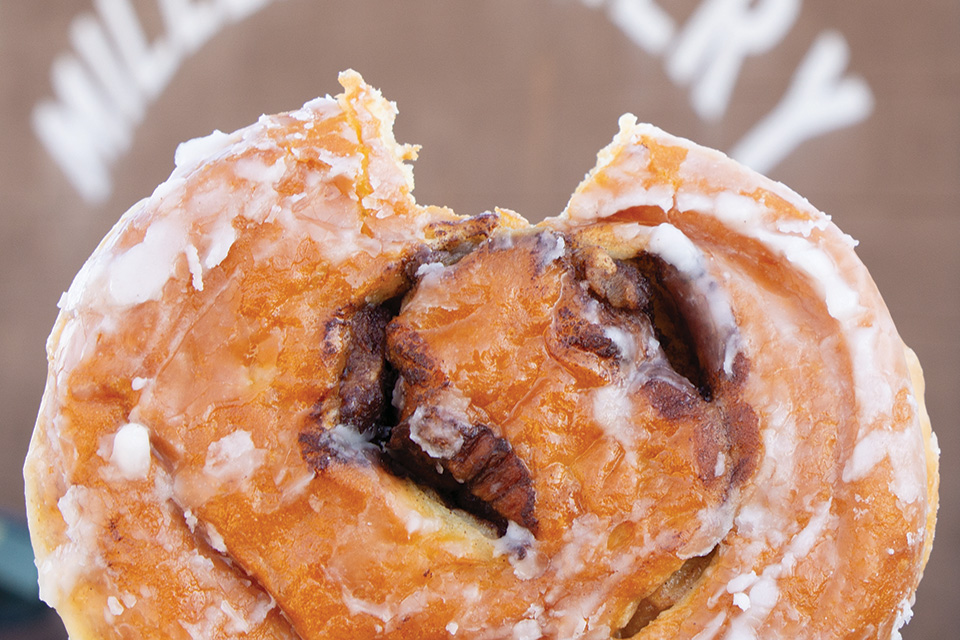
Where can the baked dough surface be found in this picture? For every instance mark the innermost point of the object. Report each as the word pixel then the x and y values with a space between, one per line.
pixel 287 401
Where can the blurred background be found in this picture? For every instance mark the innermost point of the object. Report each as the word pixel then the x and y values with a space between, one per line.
pixel 855 105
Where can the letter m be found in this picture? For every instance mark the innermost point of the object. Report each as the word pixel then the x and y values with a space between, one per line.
pixel 81 129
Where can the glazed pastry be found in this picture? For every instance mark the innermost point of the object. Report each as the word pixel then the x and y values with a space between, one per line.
pixel 287 401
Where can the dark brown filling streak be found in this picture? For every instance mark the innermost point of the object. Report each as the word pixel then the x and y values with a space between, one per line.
pixel 485 477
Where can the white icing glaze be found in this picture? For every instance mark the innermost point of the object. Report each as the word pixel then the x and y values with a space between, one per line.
pixel 190 519
pixel 803 227
pixel 437 438
pixel 625 341
pixel 786 238
pixel 131 451
pixel 428 269
pixel 748 217
pixel 233 458
pixel 191 154
pixel 60 570
pixel 555 250
pixel 383 612
pixel 742 600
pixel 843 302
pixel 196 270
pixel 348 443
pixel 904 615
pixel 415 522
pixel 623 162
pixel 293 482
pixel 579 542
pixel 220 238
pixel 763 592
pixel 613 411
pixel 140 273
pixel 520 547
pixel 236 623
pixel 527 630
pixel 822 256
pixel 710 631
pixel 214 538
pixel 909 481
pixel 669 243
pixel 720 466
pixel 114 606
pixel 431 288
pixel 715 524
pixel 675 248
pixel 254 170
pixel 742 582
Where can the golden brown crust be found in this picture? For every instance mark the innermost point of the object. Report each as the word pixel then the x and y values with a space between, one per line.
pixel 285 400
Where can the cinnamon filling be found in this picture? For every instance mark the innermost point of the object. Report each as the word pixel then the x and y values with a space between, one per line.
pixel 667 594
pixel 619 321
pixel 466 464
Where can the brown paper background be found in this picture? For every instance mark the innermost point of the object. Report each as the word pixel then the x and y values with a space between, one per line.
pixel 510 101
